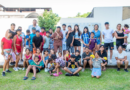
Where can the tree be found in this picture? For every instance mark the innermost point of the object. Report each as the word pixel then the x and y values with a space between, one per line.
pixel 48 20
pixel 81 16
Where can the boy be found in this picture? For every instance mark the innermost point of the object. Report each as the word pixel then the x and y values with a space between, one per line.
pixel 73 68
pixel 77 56
pixel 34 67
pixel 27 41
pixel 70 39
pixel 51 66
pixel 43 34
pixel 46 41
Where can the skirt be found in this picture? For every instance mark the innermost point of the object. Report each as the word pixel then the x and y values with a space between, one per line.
pixel 77 42
pixel 96 72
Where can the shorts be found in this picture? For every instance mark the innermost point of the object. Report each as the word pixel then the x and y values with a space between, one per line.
pixel 37 70
pixel 109 45
pixel 120 43
pixel 104 61
pixel 56 47
pixel 31 47
pixel 126 35
pixel 63 47
pixel 51 69
pixel 27 46
pixel 18 48
pixel 87 61
pixel 76 42
pixel 70 48
pixel 73 70
pixel 7 53
pixel 98 41
pixel 96 72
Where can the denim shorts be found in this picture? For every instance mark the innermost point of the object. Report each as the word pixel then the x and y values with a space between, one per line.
pixel 98 41
pixel 31 47
pixel 126 35
pixel 73 70
pixel 63 47
pixel 7 53
pixel 70 48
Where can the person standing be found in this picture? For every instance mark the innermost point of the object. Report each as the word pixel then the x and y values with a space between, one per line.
pixel 57 37
pixel 43 34
pixel 98 36
pixel 51 40
pixel 34 25
pixel 64 30
pixel 108 35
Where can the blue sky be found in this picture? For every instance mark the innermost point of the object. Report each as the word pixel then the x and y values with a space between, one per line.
pixel 66 8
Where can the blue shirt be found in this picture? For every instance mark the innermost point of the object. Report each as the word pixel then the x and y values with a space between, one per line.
pixel 37 28
pixel 27 43
pixel 76 35
pixel 85 37
pixel 96 34
pixel 47 41
pixel 31 37
pixel 23 37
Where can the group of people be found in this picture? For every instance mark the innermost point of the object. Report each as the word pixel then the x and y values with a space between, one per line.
pixel 61 49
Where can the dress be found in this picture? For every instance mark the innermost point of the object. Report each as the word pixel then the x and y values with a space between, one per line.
pixel 18 43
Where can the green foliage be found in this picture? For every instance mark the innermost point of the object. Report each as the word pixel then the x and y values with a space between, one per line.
pixel 81 16
pixel 48 20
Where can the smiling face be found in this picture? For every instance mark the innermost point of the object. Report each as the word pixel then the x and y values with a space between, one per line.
pixel 38 50
pixel 96 27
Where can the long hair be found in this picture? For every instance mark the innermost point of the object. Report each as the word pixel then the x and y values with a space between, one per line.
pixel 77 29
pixel 95 25
pixel 87 30
pixel 103 47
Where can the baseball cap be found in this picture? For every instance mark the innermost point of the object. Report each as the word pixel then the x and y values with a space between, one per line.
pixel 33 28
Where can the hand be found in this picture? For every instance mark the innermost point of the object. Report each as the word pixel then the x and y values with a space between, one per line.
pixel 2 53
pixel 71 44
pixel 69 63
pixel 29 45
pixel 34 48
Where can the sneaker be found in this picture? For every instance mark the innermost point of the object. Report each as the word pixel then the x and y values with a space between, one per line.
pixel 19 68
pixel 23 69
pixel 8 71
pixel 3 73
pixel 110 61
pixel 118 69
pixel 126 70
pixel 15 69
pixel 83 70
pixel 77 74
pixel 46 70
pixel 68 74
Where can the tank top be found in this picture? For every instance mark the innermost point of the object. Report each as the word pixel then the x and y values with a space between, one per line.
pixel 27 56
pixel 13 33
pixel 119 35
pixel 46 58
pixel 18 40
pixel 76 35
pixel 97 34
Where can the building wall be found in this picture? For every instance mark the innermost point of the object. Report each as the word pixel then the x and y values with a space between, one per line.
pixel 126 13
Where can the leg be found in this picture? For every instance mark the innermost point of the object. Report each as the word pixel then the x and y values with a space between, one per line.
pixel 17 60
pixel 79 69
pixel 21 55
pixel 118 63
pixel 67 70
pixel 126 63
pixel 93 52
pixel 111 50
pixel 90 63
pixel 79 48
pixel 27 62
pixel 57 68
pixel 34 71
pixel 111 53
pixel 85 63
pixel 97 77
pixel 72 49
pixel 24 63
pixel 97 48
pixel 5 64
pixel 92 76
pixel 28 69
pixel 75 47
pixel 55 48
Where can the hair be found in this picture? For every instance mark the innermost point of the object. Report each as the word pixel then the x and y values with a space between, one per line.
pixel 77 51
pixel 36 57
pixel 43 28
pixel 45 51
pixel 97 53
pixel 75 29
pixel 49 60
pixel 87 31
pixel 19 27
pixel 12 24
pixel 60 53
pixel 126 25
pixel 63 24
pixel 92 33
pixel 86 47
pixel 37 49
pixel 59 27
pixel 119 46
pixel 68 51
pixel 18 30
pixel 47 32
pixel 69 26
pixel 95 25
pixel 103 47
pixel 28 31
pixel 118 24
pixel 34 20
pixel 72 56
pixel 27 49
pixel 53 56
pixel 52 31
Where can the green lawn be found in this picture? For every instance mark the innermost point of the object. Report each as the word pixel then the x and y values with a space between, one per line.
pixel 110 80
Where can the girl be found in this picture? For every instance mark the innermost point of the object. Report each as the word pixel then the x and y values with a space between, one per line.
pixel 45 59
pixel 92 43
pixel 77 39
pixel 51 66
pixel 51 53
pixel 97 36
pixel 67 56
pixel 27 57
pixel 51 40
pixel 17 48
pixel 97 63
pixel 39 54
pixel 6 47
pixel 85 36
pixel 60 63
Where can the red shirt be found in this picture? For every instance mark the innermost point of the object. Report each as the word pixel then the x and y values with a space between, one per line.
pixel 43 34
pixel 7 43
pixel 67 58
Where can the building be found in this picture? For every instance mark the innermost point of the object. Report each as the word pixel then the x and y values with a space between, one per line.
pixel 22 12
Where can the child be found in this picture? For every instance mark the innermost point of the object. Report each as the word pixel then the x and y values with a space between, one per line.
pixel 73 68
pixel 60 63
pixel 27 41
pixel 97 63
pixel 34 67
pixel 51 66
pixel 27 57
pixel 126 32
pixel 43 34
pixel 92 43
pixel 39 54
pixel 51 53
pixel 77 56
pixel 6 47
pixel 45 59
pixel 46 41
pixel 67 56
pixel 51 40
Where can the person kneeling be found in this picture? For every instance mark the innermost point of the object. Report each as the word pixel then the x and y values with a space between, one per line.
pixel 34 67
pixel 73 68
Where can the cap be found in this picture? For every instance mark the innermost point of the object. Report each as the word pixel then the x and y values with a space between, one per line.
pixel 106 23
pixel 28 31
pixel 33 28
pixel 37 31
pixel 72 56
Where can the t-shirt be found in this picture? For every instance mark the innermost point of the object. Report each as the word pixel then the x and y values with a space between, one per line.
pixel 104 54
pixel 64 36
pixel 37 28
pixel 33 63
pixel 97 62
pixel 50 65
pixel 7 43
pixel 60 61
pixel 27 42
pixel 72 65
pixel 37 41
pixel 47 41
pixel 120 55
pixel 77 58
pixel 43 34
pixel 108 38
pixel 31 38
pixel 84 55
pixel 23 37
pixel 69 39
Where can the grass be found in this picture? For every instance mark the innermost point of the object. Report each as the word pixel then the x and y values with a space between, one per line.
pixel 110 80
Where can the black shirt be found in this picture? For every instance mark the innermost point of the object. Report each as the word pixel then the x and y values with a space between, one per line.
pixel 69 39
pixel 73 65
pixel 13 33
pixel 104 54
pixel 37 41
pixel 77 58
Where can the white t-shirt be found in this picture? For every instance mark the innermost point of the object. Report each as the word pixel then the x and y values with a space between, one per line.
pixel 64 36
pixel 120 55
pixel 108 38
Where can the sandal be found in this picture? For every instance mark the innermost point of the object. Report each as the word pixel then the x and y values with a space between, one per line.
pixel 33 78
pixel 25 78
pixel 55 74
pixel 60 73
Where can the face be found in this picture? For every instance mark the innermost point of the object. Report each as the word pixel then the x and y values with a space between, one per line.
pixel 38 51
pixel 34 22
pixel 92 35
pixel 58 29
pixel 52 51
pixel 60 54
pixel 96 55
pixel 42 30
pixel 51 61
pixel 118 27
pixel 27 51
pixel 36 59
pixel 67 52
pixel 19 32
pixel 107 25
pixel 37 33
pixel 47 34
pixel 119 48
pixel 76 53
pixel 50 31
pixel 12 26
pixel 33 31
pixel 125 27
pixel 9 35
pixel 72 59
pixel 96 27
pixel 63 27
pixel 101 48
pixel 87 50
pixel 85 30
pixel 76 27
pixel 69 28
pixel 20 28
pixel 46 52
pixel 28 33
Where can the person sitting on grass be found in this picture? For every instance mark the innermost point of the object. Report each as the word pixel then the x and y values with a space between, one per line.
pixel 60 63
pixel 97 63
pixel 27 58
pixel 34 68
pixel 51 66
pixel 121 58
pixel 73 68
pixel 45 59
pixel 78 56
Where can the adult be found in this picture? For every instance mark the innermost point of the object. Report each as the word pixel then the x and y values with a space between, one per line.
pixel 34 25
pixel 103 55
pixel 108 35
pixel 121 58
pixel 98 36
pixel 51 40
pixel 77 38
pixel 43 34
pixel 64 30
pixel 119 35
pixel 57 37
pixel 86 58
pixel 17 48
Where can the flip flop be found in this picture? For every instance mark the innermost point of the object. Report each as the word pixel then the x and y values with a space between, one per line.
pixel 25 78
pixel 33 78
pixel 60 73
pixel 55 74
